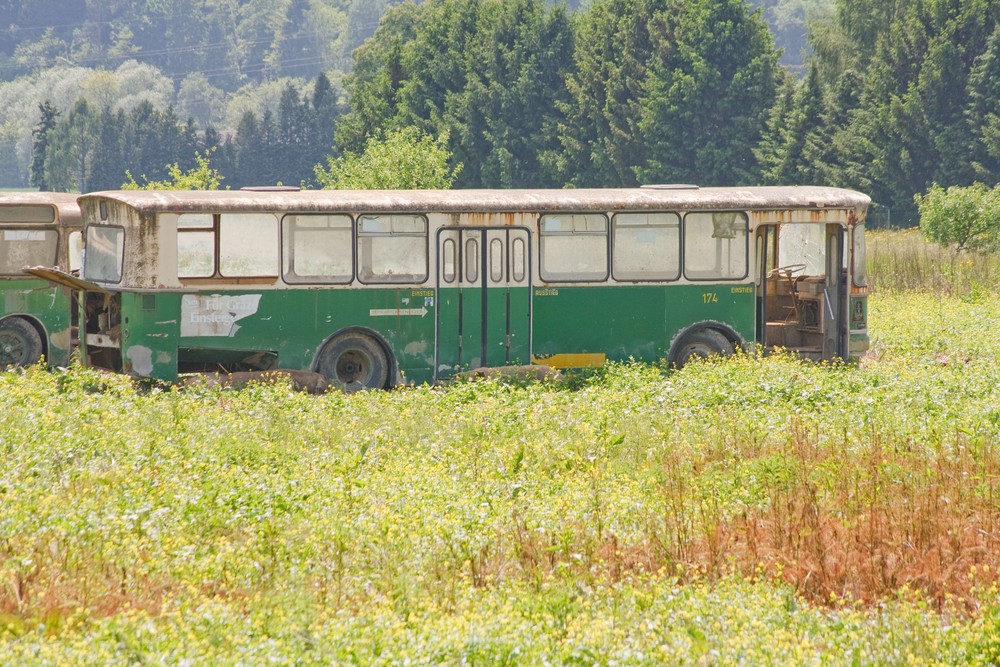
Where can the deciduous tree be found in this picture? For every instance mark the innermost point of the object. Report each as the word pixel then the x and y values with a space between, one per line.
pixel 200 177
pixel 405 160
pixel 963 218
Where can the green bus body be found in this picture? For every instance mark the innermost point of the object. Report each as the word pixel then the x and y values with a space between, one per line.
pixel 421 285
pixel 37 317
pixel 634 322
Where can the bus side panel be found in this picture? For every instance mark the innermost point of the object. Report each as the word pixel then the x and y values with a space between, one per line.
pixel 575 326
pixel 518 310
pixel 48 305
pixel 734 305
pixel 150 324
pixel 291 326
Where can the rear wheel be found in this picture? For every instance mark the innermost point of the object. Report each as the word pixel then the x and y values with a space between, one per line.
pixel 20 344
pixel 354 361
pixel 700 344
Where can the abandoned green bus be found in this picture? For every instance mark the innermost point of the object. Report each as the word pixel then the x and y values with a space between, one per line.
pixel 37 317
pixel 378 288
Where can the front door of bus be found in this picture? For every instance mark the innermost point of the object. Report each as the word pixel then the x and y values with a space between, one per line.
pixel 802 288
pixel 484 299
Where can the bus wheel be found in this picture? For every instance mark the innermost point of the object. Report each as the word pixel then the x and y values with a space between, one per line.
pixel 354 361
pixel 20 344
pixel 702 343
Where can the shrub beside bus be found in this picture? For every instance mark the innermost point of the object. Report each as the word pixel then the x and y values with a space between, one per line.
pixel 374 289
pixel 37 317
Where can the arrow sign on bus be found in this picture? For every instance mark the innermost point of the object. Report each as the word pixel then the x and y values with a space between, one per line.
pixel 395 312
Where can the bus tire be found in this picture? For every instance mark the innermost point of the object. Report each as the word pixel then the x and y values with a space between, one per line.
pixel 20 344
pixel 702 343
pixel 354 361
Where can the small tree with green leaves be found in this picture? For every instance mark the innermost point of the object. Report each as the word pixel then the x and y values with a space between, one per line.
pixel 406 159
pixel 962 218
pixel 201 177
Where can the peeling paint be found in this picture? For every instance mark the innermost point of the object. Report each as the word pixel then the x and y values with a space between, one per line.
pixel 416 348
pixel 215 314
pixel 141 358
pixel 61 339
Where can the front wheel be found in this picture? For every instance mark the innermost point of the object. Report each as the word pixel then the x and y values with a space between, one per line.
pixel 354 361
pixel 702 343
pixel 20 344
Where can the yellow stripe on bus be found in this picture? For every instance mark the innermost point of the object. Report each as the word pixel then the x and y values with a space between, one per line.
pixel 572 360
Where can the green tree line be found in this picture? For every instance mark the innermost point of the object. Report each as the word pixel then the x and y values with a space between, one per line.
pixel 89 149
pixel 897 95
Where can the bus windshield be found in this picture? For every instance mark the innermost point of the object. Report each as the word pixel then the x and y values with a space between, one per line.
pixel 20 248
pixel 802 244
pixel 105 246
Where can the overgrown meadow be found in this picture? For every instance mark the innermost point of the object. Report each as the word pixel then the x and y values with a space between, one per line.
pixel 752 510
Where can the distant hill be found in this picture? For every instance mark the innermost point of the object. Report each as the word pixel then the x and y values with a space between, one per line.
pixel 233 45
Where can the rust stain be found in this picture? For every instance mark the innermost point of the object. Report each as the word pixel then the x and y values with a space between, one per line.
pixel 491 219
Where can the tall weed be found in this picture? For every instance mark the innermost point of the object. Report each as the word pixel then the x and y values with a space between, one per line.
pixel 902 260
pixel 734 498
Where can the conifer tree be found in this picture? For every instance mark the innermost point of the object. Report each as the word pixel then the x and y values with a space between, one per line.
pixel 40 145
pixel 108 169
pixel 707 98
pixel 602 142
pixel 983 111
pixel 70 149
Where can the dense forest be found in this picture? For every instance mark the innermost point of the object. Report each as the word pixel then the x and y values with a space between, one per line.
pixel 887 96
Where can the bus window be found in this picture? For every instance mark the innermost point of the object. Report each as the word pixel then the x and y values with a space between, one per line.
pixel 646 246
pixel 75 250
pixel 472 260
pixel 195 245
pixel 248 245
pixel 574 247
pixel 105 248
pixel 803 244
pixel 27 214
pixel 860 256
pixel 496 261
pixel 715 245
pixel 448 261
pixel 392 249
pixel 317 249
pixel 517 252
pixel 27 247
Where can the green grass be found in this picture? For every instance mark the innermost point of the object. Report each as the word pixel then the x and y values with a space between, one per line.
pixel 757 511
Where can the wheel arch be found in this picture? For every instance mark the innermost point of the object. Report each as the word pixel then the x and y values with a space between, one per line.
pixel 682 335
pixel 395 377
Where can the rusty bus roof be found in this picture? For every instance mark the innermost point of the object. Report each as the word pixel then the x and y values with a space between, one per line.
pixel 64 202
pixel 449 201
